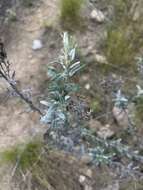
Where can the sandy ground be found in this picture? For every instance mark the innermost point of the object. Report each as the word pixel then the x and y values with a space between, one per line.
pixel 16 122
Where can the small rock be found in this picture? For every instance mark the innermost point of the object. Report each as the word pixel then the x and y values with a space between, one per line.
pixel 87 86
pixel 82 179
pixel 100 59
pixel 37 44
pixel 86 159
pixel 105 132
pixel 121 116
pixel 86 171
pixel 89 173
pixel 97 15
pixel 85 78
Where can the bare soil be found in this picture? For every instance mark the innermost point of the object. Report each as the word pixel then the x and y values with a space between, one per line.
pixel 30 67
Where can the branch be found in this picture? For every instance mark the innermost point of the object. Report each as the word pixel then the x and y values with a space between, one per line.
pixel 9 77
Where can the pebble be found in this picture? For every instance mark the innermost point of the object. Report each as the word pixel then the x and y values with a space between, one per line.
pixel 82 179
pixel 121 116
pixel 97 15
pixel 105 132
pixel 100 59
pixel 37 44
pixel 87 86
pixel 86 159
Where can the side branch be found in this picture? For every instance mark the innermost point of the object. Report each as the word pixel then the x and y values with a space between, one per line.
pixel 9 76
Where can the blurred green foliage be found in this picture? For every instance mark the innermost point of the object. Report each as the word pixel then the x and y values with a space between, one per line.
pixel 22 155
pixel 119 50
pixel 96 106
pixel 70 12
pixel 139 108
pixel 124 37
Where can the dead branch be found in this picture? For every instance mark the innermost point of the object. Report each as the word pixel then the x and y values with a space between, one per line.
pixel 9 77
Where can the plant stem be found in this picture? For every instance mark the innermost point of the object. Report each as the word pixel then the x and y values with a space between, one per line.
pixel 27 100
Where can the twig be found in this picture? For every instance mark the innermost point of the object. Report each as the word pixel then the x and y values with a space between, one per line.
pixel 5 73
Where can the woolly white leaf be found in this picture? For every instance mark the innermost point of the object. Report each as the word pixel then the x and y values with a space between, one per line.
pixel 67 97
pixel 75 65
pixel 44 103
pixel 72 54
pixel 140 91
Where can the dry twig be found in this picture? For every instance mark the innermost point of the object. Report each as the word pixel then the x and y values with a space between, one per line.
pixel 9 77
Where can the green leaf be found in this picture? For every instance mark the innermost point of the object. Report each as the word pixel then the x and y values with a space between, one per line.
pixel 52 72
pixel 72 54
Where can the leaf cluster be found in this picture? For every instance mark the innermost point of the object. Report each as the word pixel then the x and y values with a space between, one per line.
pixel 61 86
pixel 106 151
